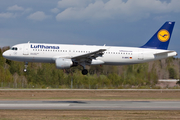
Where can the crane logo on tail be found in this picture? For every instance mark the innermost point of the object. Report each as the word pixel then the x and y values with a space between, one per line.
pixel 163 35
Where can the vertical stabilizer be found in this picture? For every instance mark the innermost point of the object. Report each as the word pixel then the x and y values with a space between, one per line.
pixel 160 40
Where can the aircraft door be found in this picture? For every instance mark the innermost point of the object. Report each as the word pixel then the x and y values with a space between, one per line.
pixel 26 49
pixel 71 52
pixel 140 55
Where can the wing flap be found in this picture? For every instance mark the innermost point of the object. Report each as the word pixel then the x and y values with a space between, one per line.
pixel 89 56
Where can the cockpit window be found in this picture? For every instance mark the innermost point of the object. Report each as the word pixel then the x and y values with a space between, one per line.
pixel 14 48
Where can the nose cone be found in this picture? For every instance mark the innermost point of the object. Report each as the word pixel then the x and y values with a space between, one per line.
pixel 5 54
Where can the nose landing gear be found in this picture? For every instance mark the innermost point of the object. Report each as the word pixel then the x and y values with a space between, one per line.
pixel 26 65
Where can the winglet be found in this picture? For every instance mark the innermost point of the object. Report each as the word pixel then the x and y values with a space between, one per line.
pixel 160 40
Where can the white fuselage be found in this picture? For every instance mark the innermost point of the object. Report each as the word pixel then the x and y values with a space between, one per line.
pixel 38 52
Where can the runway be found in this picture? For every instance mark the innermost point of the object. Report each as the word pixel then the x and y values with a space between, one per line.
pixel 90 105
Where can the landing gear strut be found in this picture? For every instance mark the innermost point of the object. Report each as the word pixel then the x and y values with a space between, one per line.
pixel 26 65
pixel 84 71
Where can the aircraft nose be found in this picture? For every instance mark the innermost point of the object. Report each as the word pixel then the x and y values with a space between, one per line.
pixel 5 54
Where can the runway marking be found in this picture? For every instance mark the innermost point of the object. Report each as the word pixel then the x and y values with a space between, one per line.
pixel 33 105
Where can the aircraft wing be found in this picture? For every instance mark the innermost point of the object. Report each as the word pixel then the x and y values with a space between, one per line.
pixel 89 56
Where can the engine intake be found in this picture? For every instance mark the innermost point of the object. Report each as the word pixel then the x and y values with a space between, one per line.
pixel 62 63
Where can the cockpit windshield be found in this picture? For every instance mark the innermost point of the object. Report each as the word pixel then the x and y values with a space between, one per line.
pixel 14 48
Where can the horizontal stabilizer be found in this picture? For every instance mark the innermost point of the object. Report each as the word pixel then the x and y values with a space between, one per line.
pixel 164 52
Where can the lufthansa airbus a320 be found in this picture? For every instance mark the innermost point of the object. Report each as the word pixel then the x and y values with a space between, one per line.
pixel 65 56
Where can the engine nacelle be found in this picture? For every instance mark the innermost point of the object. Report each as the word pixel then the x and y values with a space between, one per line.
pixel 62 63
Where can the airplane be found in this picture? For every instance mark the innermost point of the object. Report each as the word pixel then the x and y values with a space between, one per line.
pixel 66 56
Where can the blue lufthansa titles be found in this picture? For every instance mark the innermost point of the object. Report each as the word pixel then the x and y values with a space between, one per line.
pixel 44 47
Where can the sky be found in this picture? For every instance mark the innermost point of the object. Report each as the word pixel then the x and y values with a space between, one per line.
pixel 91 22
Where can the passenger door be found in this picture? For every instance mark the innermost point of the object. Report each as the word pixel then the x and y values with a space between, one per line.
pixel 26 49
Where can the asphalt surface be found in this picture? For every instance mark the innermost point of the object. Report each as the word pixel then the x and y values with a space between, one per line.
pixel 91 105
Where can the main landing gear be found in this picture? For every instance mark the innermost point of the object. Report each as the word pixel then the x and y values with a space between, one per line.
pixel 84 71
pixel 26 65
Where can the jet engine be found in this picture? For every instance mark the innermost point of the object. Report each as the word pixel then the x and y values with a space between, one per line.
pixel 63 63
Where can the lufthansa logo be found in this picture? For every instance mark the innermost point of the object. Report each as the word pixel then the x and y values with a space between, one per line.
pixel 163 35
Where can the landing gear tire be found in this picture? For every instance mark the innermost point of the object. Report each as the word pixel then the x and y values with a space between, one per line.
pixel 25 70
pixel 84 71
